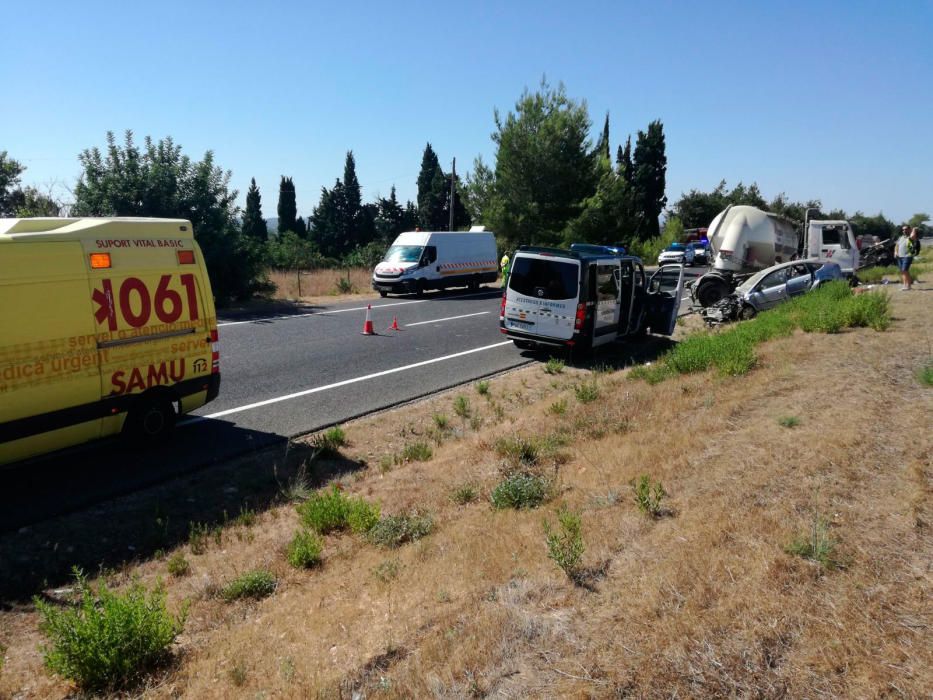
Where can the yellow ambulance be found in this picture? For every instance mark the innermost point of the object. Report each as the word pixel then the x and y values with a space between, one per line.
pixel 106 326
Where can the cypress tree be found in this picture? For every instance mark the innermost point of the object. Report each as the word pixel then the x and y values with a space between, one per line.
pixel 254 225
pixel 300 228
pixel 432 196
pixel 648 181
pixel 602 145
pixel 353 200
pixel 287 210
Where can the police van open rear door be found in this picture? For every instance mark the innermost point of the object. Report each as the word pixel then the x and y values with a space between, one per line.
pixel 662 300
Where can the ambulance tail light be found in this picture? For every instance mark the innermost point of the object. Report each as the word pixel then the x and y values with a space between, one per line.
pixel 186 257
pixel 581 315
pixel 215 352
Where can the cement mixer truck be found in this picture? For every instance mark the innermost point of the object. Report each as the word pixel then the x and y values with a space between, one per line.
pixel 744 239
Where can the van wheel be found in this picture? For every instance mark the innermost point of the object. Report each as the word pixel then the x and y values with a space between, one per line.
pixel 383 294
pixel 419 288
pixel 474 284
pixel 151 421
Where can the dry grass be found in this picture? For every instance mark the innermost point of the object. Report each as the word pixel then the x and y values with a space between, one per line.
pixel 705 602
pixel 317 284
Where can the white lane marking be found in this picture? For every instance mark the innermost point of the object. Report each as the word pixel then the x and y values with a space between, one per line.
pixel 345 382
pixel 285 317
pixel 449 318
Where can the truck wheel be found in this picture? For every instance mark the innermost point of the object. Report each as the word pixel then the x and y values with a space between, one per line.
pixel 151 420
pixel 711 291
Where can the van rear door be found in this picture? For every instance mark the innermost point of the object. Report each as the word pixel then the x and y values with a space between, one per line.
pixel 662 300
pixel 541 298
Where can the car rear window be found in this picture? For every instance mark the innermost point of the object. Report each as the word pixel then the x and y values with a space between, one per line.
pixel 544 279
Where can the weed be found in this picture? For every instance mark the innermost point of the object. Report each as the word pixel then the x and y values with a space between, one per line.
pixel 237 675
pixel 256 584
pixel 519 453
pixel 482 388
pixel 387 570
pixel 925 374
pixel 565 546
pixel 788 421
pixel 396 530
pixel 586 392
pixel 816 545
pixel 648 496
pixel 199 535
pixel 304 551
pixel 246 517
pixel 441 422
pixel 298 487
pixel 497 410
pixel 521 491
pixel 329 510
pixel 331 440
pixel 462 406
pixel 558 408
pixel 108 640
pixel 554 366
pixel 344 286
pixel 417 452
pixel 386 462
pixel 476 422
pixel 467 493
pixel 178 566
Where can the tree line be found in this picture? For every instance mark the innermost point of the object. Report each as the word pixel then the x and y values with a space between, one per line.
pixel 551 183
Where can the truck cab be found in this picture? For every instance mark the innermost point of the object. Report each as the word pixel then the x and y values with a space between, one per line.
pixel 581 300
pixel 832 241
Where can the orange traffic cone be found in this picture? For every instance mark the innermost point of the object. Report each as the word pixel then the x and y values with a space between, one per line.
pixel 394 326
pixel 368 324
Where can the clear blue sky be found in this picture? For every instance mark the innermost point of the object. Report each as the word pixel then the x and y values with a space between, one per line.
pixel 816 99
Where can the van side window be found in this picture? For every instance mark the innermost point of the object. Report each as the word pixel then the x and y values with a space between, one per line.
pixel 606 287
pixel 430 255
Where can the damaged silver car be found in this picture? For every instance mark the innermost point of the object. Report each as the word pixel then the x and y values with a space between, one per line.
pixel 770 287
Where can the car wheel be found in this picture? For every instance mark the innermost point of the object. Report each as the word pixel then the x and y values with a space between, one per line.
pixel 383 294
pixel 747 313
pixel 151 420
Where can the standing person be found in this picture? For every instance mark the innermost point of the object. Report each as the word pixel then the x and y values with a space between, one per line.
pixel 902 251
pixel 914 249
pixel 504 264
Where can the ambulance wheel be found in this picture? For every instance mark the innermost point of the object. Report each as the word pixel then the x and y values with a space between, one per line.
pixel 383 294
pixel 151 420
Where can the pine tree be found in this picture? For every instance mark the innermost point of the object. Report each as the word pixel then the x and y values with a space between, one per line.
pixel 287 209
pixel 254 225
pixel 388 223
pixel 650 167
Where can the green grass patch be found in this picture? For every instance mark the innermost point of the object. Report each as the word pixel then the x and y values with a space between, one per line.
pixel 255 585
pixel 331 440
pixel 925 373
pixel 554 366
pixel 329 510
pixel 558 408
pixel 467 493
pixel 417 452
pixel 441 421
pixel 817 545
pixel 108 640
pixel 462 406
pixel 482 388
pixel 788 421
pixel 648 496
pixel 829 309
pixel 586 392
pixel 304 551
pixel 178 566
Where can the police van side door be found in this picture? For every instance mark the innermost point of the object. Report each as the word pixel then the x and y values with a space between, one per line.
pixel 606 297
pixel 662 299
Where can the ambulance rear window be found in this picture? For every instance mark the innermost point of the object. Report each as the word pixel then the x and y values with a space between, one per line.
pixel 544 279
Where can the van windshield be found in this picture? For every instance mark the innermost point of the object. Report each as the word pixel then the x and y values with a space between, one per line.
pixel 403 253
pixel 545 279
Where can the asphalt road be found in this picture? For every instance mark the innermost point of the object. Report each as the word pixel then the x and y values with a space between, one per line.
pixel 283 376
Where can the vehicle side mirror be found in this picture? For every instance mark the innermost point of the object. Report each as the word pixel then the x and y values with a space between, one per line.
pixel 654 287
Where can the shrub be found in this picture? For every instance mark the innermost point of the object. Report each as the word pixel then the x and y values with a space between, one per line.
pixel 558 408
pixel 344 286
pixel 462 406
pixel 330 510
pixel 521 491
pixel 789 421
pixel 178 566
pixel 464 494
pixel 386 462
pixel 520 454
pixel 108 640
pixel 200 533
pixel 586 392
pixel 396 530
pixel 554 366
pixel 256 584
pixel 417 452
pixel 925 374
pixel 441 421
pixel 817 545
pixel 482 388
pixel 565 546
pixel 304 551
pixel 648 496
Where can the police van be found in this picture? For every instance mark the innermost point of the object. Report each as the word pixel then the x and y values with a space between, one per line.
pixel 421 260
pixel 581 299
pixel 107 326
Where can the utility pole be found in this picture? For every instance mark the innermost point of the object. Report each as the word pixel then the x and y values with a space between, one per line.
pixel 453 193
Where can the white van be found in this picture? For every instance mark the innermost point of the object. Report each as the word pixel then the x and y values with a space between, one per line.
pixel 579 300
pixel 420 260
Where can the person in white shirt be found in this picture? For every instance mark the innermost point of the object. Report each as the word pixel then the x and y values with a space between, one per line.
pixel 903 252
